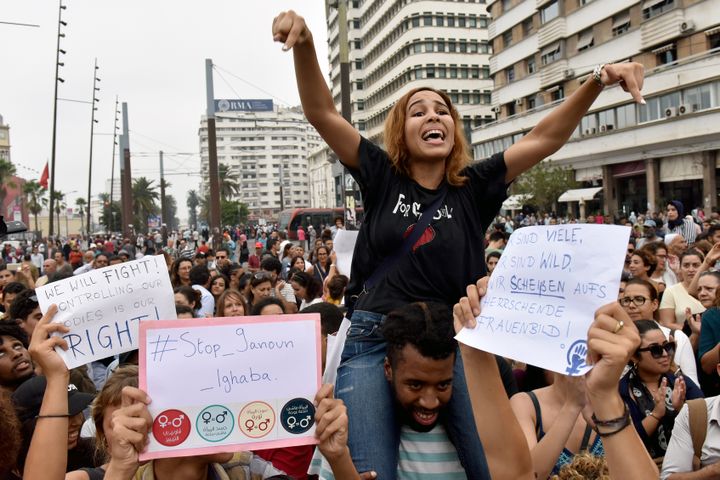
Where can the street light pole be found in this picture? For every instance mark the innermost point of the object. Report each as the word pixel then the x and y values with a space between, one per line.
pixel 92 129
pixel 58 64
pixel 112 169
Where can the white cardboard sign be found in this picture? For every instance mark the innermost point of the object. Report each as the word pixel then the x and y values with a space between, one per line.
pixel 344 246
pixel 103 307
pixel 228 384
pixel 544 291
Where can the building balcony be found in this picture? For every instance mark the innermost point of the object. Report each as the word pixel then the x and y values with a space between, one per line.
pixel 663 28
pixel 552 32
pixel 508 20
pixel 554 73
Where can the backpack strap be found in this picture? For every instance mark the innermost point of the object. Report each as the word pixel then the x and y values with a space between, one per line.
pixel 697 418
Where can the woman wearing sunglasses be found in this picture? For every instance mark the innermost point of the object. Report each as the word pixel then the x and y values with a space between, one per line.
pixel 652 393
pixel 640 301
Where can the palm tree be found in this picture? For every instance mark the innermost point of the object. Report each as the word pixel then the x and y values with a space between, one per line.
pixel 229 187
pixel 7 171
pixel 192 203
pixel 145 196
pixel 81 203
pixel 34 196
pixel 60 205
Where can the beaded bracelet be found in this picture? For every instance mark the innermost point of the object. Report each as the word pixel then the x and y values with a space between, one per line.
pixel 616 424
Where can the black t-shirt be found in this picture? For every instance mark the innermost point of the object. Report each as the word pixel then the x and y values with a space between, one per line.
pixel 447 257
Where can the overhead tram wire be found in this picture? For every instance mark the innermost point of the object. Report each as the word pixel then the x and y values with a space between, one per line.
pixel 218 67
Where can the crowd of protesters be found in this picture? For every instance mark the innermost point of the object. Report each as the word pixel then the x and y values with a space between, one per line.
pixel 412 402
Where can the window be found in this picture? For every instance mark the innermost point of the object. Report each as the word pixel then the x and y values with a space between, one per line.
pixel 588 124
pixel 506 5
pixel 417 48
pixel 507 38
pixel 461 22
pixel 441 46
pixel 666 54
pixel 452 47
pixel 429 46
pixel 550 11
pixel 531 67
pixel 653 8
pixel 621 23
pixel 550 54
pixel 415 21
pixel 650 111
pixel 440 21
pixel 359 85
pixel 557 94
pixel 510 109
pixel 357 44
pixel 361 104
pixel 527 26
pixel 625 115
pixel 472 22
pixel 713 40
pixel 356 23
pixel 606 119
pixel 510 74
pixel 427 20
pixel 698 98
pixel 668 101
pixel 463 46
pixel 530 103
pixel 585 40
pixel 430 72
pixel 450 21
pixel 358 64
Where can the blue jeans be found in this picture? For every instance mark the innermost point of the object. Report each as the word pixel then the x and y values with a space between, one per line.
pixel 374 434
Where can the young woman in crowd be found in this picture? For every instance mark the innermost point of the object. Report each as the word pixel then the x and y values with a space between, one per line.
pixel 188 296
pixel 307 289
pixel 218 285
pixel 642 264
pixel 268 306
pixel 231 304
pixel 427 158
pixel 260 287
pixel 180 272
pixel 321 267
pixel 298 263
pixel 554 421
pixel 652 393
pixel 108 400
pixel 678 223
pixel 676 299
pixel 640 301
pixel 334 289
pixel 662 274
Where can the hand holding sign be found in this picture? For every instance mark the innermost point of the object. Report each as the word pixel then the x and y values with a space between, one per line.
pixel 542 294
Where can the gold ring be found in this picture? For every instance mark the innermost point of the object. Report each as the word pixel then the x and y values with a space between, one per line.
pixel 619 326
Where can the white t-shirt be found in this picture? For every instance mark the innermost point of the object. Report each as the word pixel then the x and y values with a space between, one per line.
pixel 678 299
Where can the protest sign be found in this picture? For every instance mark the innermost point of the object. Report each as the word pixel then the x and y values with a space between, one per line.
pixel 344 246
pixel 544 291
pixel 228 384
pixel 103 307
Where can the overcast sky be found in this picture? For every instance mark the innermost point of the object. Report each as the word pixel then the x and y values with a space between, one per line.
pixel 152 55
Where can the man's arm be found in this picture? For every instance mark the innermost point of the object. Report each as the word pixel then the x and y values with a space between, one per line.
pixel 677 464
pixel 555 129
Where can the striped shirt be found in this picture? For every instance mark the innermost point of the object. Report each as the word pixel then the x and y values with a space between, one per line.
pixel 422 456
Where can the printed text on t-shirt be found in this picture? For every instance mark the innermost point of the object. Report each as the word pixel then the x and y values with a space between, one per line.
pixel 405 209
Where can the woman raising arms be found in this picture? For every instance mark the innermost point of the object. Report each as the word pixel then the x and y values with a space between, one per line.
pixel 427 163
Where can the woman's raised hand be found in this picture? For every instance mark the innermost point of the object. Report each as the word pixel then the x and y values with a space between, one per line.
pixel 42 345
pixel 630 76
pixel 290 29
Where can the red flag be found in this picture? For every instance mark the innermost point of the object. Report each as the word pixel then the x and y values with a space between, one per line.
pixel 44 177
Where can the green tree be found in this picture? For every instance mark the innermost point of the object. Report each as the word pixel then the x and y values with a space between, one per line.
pixel 110 215
pixel 233 212
pixel 229 187
pixel 7 171
pixel 81 204
pixel 171 206
pixel 34 196
pixel 145 196
pixel 546 182
pixel 60 205
pixel 192 202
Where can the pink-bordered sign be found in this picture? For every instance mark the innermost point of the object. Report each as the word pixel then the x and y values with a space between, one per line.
pixel 230 384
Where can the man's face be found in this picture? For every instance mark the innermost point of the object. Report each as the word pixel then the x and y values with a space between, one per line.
pixel 6 277
pixel 101 261
pixel 28 323
pixel 59 257
pixel 15 363
pixel 716 237
pixel 422 387
pixel 88 256
pixel 221 257
pixel 649 232
pixel 49 266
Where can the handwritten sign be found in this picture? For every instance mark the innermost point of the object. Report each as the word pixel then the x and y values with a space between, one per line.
pixel 544 291
pixel 103 307
pixel 225 384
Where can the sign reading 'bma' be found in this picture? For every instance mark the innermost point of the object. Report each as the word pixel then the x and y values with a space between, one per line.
pixel 242 105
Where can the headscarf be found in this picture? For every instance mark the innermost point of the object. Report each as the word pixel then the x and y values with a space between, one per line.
pixel 681 214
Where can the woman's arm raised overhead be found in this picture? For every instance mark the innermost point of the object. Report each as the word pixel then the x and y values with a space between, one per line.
pixel 555 129
pixel 317 102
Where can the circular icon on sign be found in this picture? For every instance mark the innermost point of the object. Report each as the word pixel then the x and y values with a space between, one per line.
pixel 171 428
pixel 215 423
pixel 223 105
pixel 297 416
pixel 256 419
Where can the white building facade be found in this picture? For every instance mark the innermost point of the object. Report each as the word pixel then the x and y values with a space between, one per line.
pixel 267 153
pixel 641 155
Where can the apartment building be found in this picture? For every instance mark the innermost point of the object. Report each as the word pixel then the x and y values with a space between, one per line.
pixel 637 157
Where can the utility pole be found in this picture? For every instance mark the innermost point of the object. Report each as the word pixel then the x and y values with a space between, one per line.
pixel 163 211
pixel 92 129
pixel 126 176
pixel 109 212
pixel 58 64
pixel 212 158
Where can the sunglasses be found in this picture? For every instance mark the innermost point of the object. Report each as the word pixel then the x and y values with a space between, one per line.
pixel 638 301
pixel 656 351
